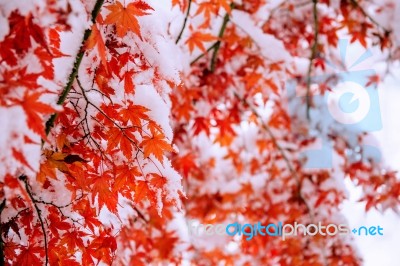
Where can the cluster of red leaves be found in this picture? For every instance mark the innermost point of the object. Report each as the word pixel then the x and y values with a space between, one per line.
pixel 102 155
pixel 107 152
pixel 235 86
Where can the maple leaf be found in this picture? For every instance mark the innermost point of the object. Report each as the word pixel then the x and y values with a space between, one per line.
pixel 165 244
pixel 123 138
pixel 101 188
pixel 95 39
pixel 224 4
pixel 319 62
pixel 24 29
pixel 201 124
pixel 158 181
pixel 125 19
pixel 143 191
pixel 135 114
pixel 156 145
pixel 183 4
pixel 30 255
pixel 57 223
pixel 124 180
pixel 84 208
pixel 361 37
pixel 45 59
pixel 34 109
pixel 207 8
pixel 128 82
pixel 186 164
pixel 20 157
pixel 55 160
pixel 197 39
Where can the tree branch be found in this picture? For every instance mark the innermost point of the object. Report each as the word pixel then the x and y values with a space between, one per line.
pixel 77 63
pixel 356 4
pixel 312 57
pixel 281 151
pixel 140 214
pixel 24 179
pixel 203 54
pixel 218 43
pixel 184 22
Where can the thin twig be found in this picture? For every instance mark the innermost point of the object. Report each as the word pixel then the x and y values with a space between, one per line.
pixel 280 149
pixel 140 214
pixel 184 22
pixel 355 3
pixel 312 57
pixel 203 54
pixel 24 179
pixel 218 43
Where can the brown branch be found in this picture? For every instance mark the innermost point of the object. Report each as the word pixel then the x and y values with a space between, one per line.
pixel 140 214
pixel 24 179
pixel 218 43
pixel 203 54
pixel 184 22
pixel 312 57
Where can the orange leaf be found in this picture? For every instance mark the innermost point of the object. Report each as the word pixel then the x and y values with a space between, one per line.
pixel 135 113
pixel 125 19
pixel 224 4
pixel 142 191
pixel 201 124
pixel 34 109
pixel 96 39
pixel 128 84
pixel 106 197
pixel 119 137
pixel 197 39
pixel 158 181
pixel 20 157
pixel 156 146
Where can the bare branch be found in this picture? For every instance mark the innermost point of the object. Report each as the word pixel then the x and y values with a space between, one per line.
pixel 218 43
pixel 312 57
pixel 24 179
pixel 184 22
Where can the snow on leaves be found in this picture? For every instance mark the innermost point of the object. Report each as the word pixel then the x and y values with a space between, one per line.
pixel 136 105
